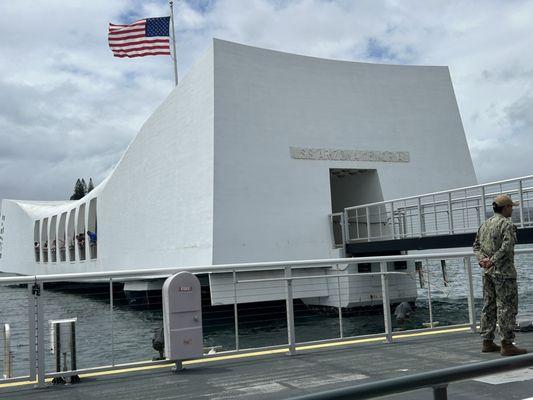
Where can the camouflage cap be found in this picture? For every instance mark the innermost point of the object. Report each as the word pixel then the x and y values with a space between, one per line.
pixel 504 200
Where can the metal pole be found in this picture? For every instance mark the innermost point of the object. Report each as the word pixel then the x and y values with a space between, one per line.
pixel 429 296
pixel 73 355
pixel 8 355
pixel 290 312
pixel 32 331
pixel 471 299
pixel 357 224
pixel 392 220
pixel 346 227
pixel 444 272
pixel 520 187
pixel 450 213
pixel 341 329
pixel 435 216
pixel 386 301
pixel 57 345
pixel 174 58
pixel 332 226
pixel 419 208
pixel 466 218
pixel 368 223
pixel 111 311
pixel 440 392
pixel 483 206
pixel 380 222
pixel 479 213
pixel 38 294
pixel 235 311
pixel 343 235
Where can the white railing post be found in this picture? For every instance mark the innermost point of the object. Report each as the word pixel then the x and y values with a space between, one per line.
pixel 483 206
pixel 40 338
pixel 111 318
pixel 343 235
pixel 368 223
pixel 235 311
pixel 36 325
pixel 31 332
pixel 346 226
pixel 386 301
pixel 430 305
pixel 420 217
pixel 341 329
pixel 435 216
pixel 8 354
pixel 521 194
pixel 470 293
pixel 357 233
pixel 290 312
pixel 450 213
pixel 392 220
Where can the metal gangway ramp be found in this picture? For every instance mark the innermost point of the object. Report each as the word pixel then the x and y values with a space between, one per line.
pixel 445 219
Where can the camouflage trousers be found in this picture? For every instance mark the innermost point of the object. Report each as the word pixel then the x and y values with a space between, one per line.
pixel 500 304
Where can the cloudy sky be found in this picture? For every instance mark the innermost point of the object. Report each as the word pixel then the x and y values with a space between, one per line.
pixel 68 109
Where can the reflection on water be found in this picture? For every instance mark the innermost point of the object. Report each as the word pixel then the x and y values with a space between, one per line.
pixel 259 325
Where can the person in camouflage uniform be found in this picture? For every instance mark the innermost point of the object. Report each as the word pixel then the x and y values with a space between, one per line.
pixel 494 249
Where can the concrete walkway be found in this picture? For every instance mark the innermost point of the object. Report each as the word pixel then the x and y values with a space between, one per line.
pixel 278 376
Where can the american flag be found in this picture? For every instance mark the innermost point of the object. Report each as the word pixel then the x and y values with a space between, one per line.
pixel 146 37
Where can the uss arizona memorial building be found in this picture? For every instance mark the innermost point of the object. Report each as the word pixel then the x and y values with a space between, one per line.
pixel 245 160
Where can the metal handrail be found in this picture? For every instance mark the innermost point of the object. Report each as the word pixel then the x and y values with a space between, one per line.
pixel 445 212
pixel 438 380
pixel 36 308
pixel 240 267
pixel 478 186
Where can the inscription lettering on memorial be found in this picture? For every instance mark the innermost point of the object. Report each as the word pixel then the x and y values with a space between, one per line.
pixel 349 155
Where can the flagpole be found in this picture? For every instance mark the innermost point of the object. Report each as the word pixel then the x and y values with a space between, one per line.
pixel 174 58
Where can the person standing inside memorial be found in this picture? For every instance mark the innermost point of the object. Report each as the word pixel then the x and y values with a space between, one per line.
pixel 494 249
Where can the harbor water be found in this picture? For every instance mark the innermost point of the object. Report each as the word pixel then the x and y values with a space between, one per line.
pixel 124 334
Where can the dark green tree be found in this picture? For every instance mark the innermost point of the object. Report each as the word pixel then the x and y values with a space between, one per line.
pixel 79 191
pixel 91 185
pixel 84 186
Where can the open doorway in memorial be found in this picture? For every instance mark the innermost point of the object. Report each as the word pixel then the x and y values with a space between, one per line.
pixel 81 234
pixel 44 240
pixel 92 229
pixel 37 241
pixel 53 239
pixel 71 236
pixel 353 187
pixel 61 237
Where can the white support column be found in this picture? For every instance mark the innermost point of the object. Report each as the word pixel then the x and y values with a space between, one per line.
pixel 86 228
pixel 76 247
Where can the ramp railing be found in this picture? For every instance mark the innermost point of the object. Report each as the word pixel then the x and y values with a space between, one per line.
pixel 437 380
pixel 107 327
pixel 447 212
